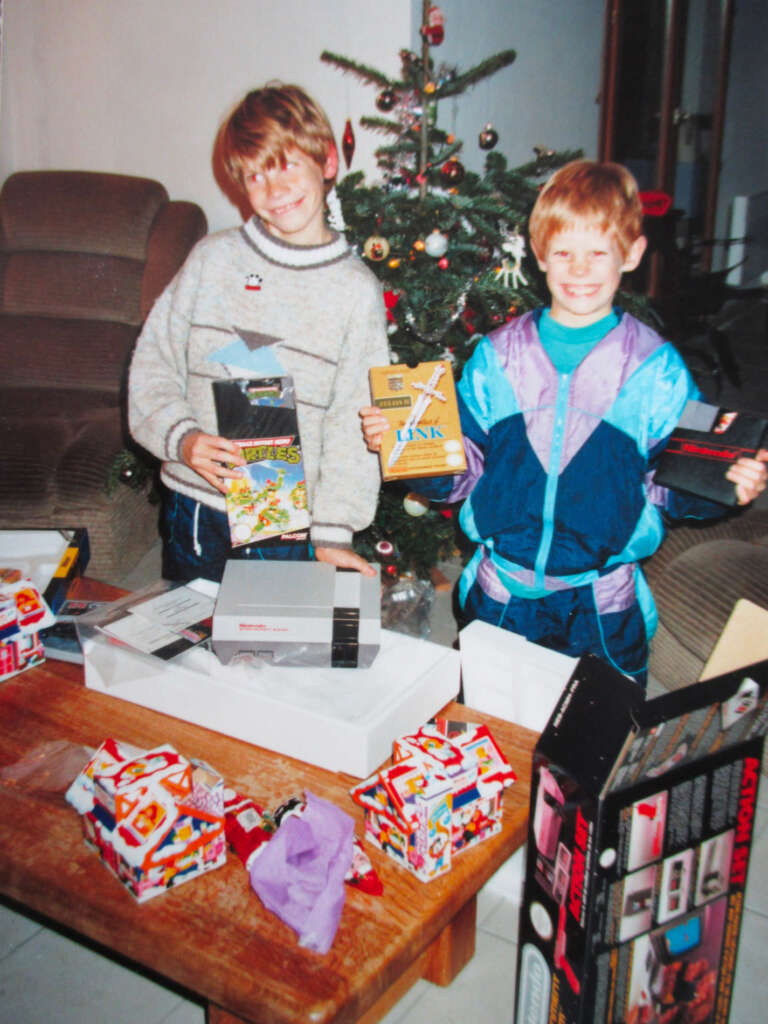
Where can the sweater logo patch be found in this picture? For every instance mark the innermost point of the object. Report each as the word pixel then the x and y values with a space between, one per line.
pixel 253 283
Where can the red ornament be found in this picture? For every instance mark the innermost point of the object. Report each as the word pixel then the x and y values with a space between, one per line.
pixel 390 569
pixel 443 263
pixel 468 319
pixel 421 177
pixel 391 299
pixel 348 142
pixel 385 549
pixel 386 99
pixel 434 29
pixel 452 171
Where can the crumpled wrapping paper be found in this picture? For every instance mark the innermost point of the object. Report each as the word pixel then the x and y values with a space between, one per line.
pixel 299 874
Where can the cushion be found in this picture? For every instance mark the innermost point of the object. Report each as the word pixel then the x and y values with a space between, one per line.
pixel 50 465
pixel 54 284
pixel 70 354
pixel 79 211
pixel 696 594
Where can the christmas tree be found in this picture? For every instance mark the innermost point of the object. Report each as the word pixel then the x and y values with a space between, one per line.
pixel 449 246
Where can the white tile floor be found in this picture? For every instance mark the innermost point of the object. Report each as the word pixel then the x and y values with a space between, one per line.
pixel 45 977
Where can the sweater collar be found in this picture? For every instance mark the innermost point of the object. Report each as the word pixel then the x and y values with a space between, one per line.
pixel 298 257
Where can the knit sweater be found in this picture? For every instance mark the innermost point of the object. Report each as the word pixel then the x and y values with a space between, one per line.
pixel 316 310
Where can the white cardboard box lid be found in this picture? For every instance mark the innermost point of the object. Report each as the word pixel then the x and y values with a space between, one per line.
pixel 35 553
pixel 505 675
pixel 337 718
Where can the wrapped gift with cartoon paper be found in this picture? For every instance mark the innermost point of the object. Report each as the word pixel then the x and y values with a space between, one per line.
pixel 408 816
pixel 23 613
pixel 155 818
pixel 441 795
pixel 470 757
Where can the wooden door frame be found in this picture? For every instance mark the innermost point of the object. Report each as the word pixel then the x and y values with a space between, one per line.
pixel 675 27
pixel 718 125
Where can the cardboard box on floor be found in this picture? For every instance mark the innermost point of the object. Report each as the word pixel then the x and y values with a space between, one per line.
pixel 743 641
pixel 639 842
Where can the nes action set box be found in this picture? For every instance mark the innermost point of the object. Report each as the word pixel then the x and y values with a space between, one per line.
pixel 639 841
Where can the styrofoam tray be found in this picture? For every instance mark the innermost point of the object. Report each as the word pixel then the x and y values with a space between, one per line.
pixel 337 718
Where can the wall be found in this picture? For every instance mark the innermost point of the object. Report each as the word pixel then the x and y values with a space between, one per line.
pixel 548 96
pixel 140 87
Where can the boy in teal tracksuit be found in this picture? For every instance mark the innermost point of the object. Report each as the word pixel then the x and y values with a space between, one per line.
pixel 564 412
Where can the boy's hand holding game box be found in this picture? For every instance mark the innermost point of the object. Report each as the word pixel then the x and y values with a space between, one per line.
pixel 270 498
pixel 424 435
pixel 706 441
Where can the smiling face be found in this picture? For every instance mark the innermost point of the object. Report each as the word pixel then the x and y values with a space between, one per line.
pixel 290 199
pixel 583 265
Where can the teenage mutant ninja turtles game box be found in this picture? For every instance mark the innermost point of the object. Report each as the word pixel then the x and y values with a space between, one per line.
pixel 639 841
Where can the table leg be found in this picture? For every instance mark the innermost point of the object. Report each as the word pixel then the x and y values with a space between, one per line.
pixel 454 947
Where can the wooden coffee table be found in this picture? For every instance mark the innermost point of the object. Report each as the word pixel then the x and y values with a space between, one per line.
pixel 212 936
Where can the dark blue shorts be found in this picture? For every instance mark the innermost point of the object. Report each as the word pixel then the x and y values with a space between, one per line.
pixel 196 542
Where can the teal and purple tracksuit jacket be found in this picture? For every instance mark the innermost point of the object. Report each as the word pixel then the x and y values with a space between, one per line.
pixel 559 495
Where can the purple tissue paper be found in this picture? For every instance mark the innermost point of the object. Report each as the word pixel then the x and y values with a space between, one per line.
pixel 299 875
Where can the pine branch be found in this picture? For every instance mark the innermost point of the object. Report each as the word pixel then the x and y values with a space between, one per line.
pixel 406 147
pixel 476 74
pixel 363 72
pixel 549 162
pixel 381 125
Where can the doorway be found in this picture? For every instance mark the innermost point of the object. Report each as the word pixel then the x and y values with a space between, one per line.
pixel 662 107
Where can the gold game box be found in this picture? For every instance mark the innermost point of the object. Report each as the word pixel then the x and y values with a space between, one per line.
pixel 424 435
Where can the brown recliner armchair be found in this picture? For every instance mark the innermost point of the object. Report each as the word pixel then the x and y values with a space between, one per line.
pixel 83 256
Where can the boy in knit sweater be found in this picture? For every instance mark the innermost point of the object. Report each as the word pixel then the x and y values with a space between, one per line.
pixel 286 290
pixel 564 412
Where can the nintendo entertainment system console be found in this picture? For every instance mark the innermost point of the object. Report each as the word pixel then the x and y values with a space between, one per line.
pixel 297 613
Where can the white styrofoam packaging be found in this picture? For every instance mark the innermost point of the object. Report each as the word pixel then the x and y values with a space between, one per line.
pixel 505 675
pixel 339 719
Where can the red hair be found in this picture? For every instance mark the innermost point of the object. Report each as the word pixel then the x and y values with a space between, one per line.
pixel 266 124
pixel 602 194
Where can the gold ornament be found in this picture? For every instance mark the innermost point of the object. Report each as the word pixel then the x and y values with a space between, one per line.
pixel 376 248
pixel 418 245
pixel 415 504
pixel 394 263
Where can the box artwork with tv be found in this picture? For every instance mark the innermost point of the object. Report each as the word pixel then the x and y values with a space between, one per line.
pixel 640 830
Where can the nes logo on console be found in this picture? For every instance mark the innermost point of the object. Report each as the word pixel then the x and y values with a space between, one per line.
pixel 297 613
